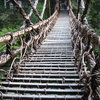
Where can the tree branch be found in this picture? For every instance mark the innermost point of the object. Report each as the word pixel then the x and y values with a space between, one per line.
pixel 85 10
pixel 79 2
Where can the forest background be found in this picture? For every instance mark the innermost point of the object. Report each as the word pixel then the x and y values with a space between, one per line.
pixel 11 20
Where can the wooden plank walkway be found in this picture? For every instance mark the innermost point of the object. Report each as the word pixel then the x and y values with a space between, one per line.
pixel 49 73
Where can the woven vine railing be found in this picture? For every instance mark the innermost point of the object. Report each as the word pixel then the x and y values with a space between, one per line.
pixel 84 42
pixel 29 36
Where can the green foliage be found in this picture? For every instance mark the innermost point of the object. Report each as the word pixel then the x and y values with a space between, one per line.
pixel 74 6
pixel 6 68
pixel 94 14
pixel 96 51
pixel 7 30
pixel 1 6
pixel 2 47
pixel 39 7
pixel 98 31
pixel 94 19
pixel 34 19
pixel 11 20
pixel 47 12
pixel 1 76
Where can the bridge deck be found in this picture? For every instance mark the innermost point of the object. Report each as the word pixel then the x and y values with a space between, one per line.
pixel 50 72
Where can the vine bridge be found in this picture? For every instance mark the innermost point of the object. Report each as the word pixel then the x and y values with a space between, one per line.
pixel 56 59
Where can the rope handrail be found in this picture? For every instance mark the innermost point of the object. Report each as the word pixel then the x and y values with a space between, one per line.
pixel 30 28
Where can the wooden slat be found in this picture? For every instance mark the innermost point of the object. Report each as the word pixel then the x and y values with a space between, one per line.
pixel 48 68
pixel 43 91
pixel 47 75
pixel 42 80
pixel 44 97
pixel 47 72
pixel 43 85
pixel 48 65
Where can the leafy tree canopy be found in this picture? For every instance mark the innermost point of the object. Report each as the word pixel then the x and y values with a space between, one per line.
pixel 94 14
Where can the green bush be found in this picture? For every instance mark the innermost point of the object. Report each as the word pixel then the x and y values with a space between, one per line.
pixel 98 31
pixel 7 30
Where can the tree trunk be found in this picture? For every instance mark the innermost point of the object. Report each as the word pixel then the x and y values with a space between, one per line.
pixel 5 4
pixel 49 3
